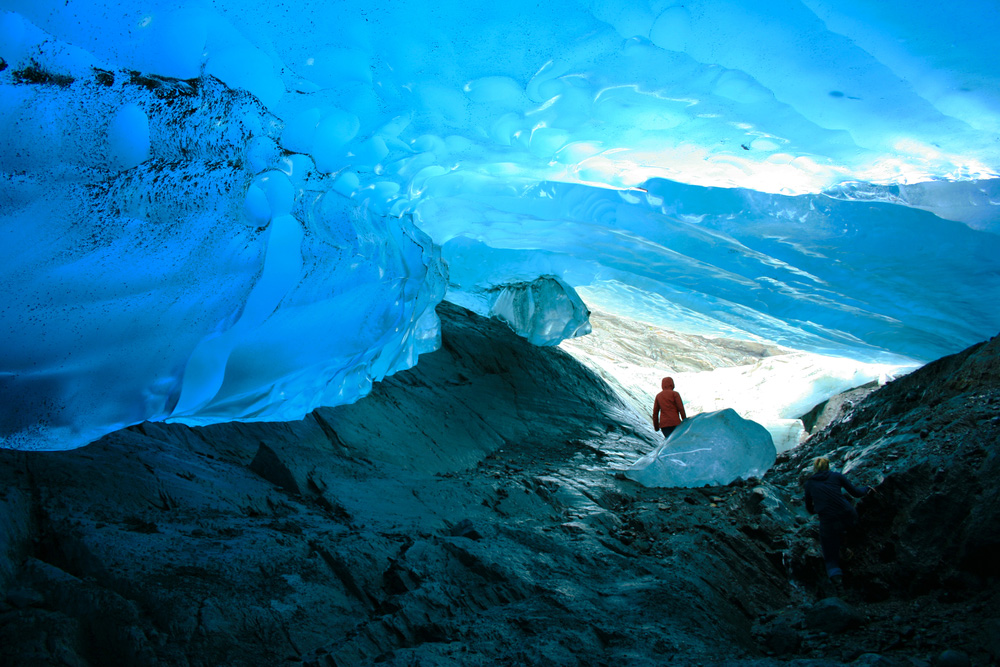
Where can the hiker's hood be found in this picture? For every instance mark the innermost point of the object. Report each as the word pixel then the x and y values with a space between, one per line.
pixel 821 476
pixel 668 383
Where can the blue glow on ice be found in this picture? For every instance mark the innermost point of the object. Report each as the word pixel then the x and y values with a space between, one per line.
pixel 239 210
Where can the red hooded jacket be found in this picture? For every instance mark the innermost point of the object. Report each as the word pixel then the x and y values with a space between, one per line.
pixel 668 409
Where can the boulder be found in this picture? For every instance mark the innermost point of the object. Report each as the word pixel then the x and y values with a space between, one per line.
pixel 712 448
pixel 832 615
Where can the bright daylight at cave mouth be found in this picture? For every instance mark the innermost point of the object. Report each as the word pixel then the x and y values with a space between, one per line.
pixel 337 274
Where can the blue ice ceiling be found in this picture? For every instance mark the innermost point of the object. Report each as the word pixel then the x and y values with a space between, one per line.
pixel 245 210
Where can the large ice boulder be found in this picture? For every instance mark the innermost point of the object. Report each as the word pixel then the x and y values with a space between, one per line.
pixel 713 448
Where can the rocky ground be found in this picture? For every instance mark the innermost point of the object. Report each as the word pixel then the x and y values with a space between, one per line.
pixel 471 511
pixel 926 563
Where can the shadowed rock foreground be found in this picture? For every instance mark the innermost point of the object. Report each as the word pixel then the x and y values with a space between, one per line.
pixel 470 512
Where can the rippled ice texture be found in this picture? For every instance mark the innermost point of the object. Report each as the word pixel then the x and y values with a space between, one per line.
pixel 239 210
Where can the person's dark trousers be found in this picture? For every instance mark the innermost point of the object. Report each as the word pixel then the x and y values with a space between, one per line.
pixel 667 430
pixel 831 538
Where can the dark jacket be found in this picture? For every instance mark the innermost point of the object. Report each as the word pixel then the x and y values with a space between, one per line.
pixel 668 409
pixel 823 496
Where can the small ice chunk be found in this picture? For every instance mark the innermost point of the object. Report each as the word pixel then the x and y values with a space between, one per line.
pixel 546 310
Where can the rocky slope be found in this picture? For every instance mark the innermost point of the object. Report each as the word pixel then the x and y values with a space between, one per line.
pixel 470 512
pixel 926 565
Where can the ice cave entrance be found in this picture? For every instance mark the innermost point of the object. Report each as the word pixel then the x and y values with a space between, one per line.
pixel 745 400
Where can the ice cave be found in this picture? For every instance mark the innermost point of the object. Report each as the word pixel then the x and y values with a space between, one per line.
pixel 238 233
pixel 242 211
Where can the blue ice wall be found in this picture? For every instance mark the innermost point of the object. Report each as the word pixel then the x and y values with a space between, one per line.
pixel 243 210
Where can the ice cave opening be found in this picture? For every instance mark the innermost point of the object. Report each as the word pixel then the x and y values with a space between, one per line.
pixel 217 211
pixel 773 386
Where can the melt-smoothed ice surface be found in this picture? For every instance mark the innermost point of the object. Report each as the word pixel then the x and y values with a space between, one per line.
pixel 713 448
pixel 236 210
pixel 209 278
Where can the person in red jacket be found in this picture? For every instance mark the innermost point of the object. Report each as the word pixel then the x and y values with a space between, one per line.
pixel 668 409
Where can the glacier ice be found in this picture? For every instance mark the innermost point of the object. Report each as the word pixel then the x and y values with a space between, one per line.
pixel 546 311
pixel 520 289
pixel 221 210
pixel 172 264
pixel 710 448
pixel 809 271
